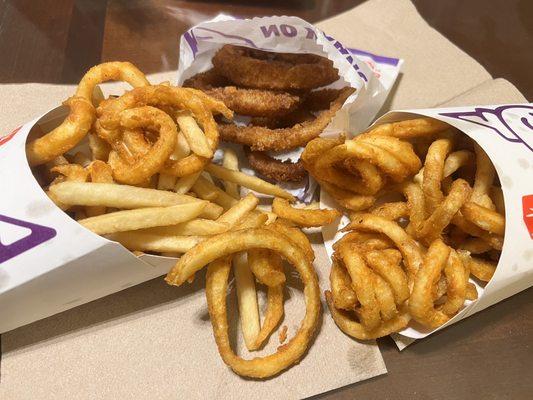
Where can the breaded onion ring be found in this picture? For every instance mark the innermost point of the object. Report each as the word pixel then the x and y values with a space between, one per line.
pixel 277 170
pixel 255 102
pixel 206 80
pixel 320 99
pixel 260 138
pixel 278 71
pixel 110 71
pixel 251 102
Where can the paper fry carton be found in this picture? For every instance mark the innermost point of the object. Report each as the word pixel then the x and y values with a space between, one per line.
pixel 48 262
pixel 505 132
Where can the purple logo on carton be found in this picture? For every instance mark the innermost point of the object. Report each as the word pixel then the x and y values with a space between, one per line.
pixel 513 122
pixel 38 235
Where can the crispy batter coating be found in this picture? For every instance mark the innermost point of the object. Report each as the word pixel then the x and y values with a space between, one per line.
pixel 277 170
pixel 279 71
pixel 260 138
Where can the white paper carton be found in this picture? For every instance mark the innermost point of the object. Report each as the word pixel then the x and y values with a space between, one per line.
pixel 49 263
pixel 505 132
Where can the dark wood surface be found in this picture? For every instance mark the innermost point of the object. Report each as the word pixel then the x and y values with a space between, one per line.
pixel 487 356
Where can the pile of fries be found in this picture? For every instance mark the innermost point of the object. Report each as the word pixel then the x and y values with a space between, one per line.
pixel 144 178
pixel 418 231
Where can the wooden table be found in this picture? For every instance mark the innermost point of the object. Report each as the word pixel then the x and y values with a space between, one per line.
pixel 489 355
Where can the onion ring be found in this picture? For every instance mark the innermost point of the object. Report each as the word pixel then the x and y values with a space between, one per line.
pixel 278 71
pixel 277 170
pixel 110 71
pixel 162 96
pixel 260 138
pixel 82 113
pixel 320 99
pixel 66 136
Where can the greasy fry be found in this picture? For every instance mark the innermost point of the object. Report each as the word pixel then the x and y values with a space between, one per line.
pixel 129 220
pixel 247 300
pixel 231 162
pixel 251 182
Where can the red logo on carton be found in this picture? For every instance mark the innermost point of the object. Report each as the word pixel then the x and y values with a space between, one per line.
pixel 5 139
pixel 527 206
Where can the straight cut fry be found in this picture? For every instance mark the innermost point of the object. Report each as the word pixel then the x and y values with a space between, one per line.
pixel 184 184
pixel 247 300
pixel 144 241
pixel 206 189
pixel 195 227
pixel 239 210
pixel 251 182
pixel 231 162
pixel 194 135
pixel 124 196
pixel 130 220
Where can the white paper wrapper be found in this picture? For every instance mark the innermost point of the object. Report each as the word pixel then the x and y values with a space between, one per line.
pixel 373 76
pixel 505 132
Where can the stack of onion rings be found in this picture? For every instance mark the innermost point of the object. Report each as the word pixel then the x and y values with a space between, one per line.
pixel 276 91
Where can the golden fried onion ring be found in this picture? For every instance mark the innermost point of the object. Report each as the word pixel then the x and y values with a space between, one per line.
pixel 110 71
pixel 280 71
